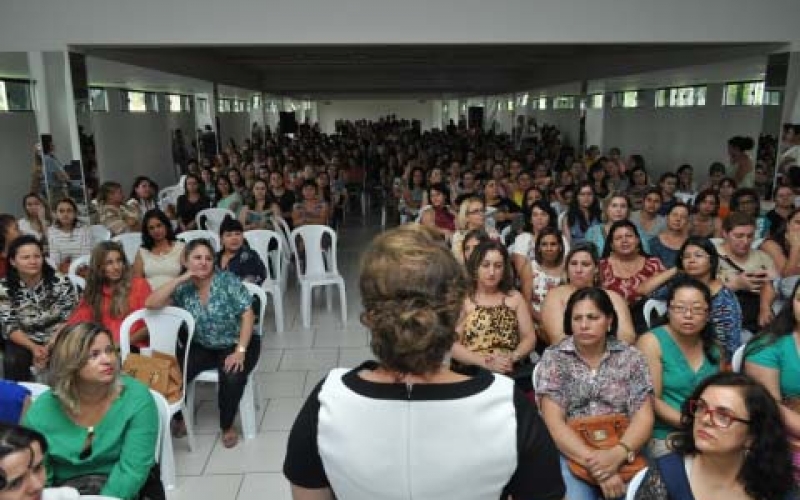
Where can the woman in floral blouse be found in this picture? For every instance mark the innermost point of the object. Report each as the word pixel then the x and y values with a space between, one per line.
pixel 223 339
pixel 591 373
pixel 34 305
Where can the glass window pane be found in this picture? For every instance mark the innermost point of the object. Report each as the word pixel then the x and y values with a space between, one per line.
pixel 730 94
pixel 98 99
pixel 543 103
pixel 700 96
pixel 18 96
pixel 137 102
pixel 630 99
pixel 3 99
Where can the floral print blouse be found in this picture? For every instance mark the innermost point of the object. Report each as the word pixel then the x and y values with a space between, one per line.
pixel 36 310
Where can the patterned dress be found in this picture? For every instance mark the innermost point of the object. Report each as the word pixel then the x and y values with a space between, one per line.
pixel 489 329
pixel 627 286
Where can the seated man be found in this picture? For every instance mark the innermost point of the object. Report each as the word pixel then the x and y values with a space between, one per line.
pixel 748 272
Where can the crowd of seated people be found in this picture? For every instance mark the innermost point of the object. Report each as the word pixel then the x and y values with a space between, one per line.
pixel 561 251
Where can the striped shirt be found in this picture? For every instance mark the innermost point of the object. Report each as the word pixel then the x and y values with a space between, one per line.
pixel 68 245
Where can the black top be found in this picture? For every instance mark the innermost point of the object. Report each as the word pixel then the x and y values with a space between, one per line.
pixel 187 210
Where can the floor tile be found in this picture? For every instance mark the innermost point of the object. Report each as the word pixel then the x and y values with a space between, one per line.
pixel 308 359
pixel 193 463
pixel 265 486
pixel 264 453
pixel 280 414
pixel 340 338
pixel 223 486
pixel 269 360
pixel 352 357
pixel 289 384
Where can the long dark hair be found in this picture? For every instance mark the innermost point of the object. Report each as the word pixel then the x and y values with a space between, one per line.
pixel 12 276
pixel 15 438
pixel 766 472
pixel 574 212
pixel 711 349
pixel 537 248
pixel 544 207
pixel 147 239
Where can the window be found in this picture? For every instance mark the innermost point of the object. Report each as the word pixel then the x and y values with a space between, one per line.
pixel 202 104
pixel 772 98
pixel 224 106
pixel 510 104
pixel 564 102
pixel 15 95
pixel 98 99
pixel 680 97
pixel 138 102
pixel 522 100
pixel 174 103
pixel 596 101
pixel 746 94
pixel 255 101
pixel 540 103
pixel 627 99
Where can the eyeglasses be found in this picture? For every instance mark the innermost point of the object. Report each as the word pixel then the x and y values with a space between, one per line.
pixel 693 311
pixel 720 417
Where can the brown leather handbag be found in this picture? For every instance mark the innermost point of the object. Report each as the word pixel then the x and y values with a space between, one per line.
pixel 603 432
pixel 159 372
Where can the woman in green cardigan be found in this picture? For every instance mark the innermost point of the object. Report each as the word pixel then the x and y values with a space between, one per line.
pixel 101 426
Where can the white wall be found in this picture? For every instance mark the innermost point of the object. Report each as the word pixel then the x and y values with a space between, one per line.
pixel 234 125
pixel 17 137
pixel 566 120
pixel 332 110
pixel 668 137
pixel 132 144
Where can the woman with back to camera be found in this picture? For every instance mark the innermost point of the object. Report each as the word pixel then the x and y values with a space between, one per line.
pixel 743 166
pixel 223 338
pixel 102 425
pixel 680 354
pixel 112 292
pixel 773 359
pixel 582 270
pixel 583 213
pixel 698 259
pixel 191 202
pixel 159 257
pixel 22 469
pixel 591 373
pixel 731 445
pixel 68 238
pixel 495 330
pixel 35 303
pixel 412 290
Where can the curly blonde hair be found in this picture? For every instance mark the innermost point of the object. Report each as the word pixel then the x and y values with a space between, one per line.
pixel 412 289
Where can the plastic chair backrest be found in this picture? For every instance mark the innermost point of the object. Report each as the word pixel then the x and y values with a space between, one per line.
pixel 130 244
pixel 259 292
pixel 36 388
pixel 163 326
pixel 651 305
pixel 98 233
pixel 315 260
pixel 260 240
pixel 77 263
pixel 213 217
pixel 200 234
pixel 282 228
pixel 737 361
pixel 164 417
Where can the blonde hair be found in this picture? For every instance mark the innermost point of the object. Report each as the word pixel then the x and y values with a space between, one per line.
pixel 461 221
pixel 69 355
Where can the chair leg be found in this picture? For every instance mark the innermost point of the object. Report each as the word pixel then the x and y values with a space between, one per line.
pixel 277 300
pixel 247 410
pixel 188 414
pixel 329 297
pixel 167 460
pixel 343 302
pixel 305 305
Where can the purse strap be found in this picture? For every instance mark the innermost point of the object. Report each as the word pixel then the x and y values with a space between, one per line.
pixel 673 472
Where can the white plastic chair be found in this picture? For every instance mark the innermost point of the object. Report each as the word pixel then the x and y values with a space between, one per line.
pixel 169 196
pixel 98 233
pixel 213 217
pixel 282 228
pixel 659 306
pixel 737 360
pixel 200 234
pixel 130 244
pixel 36 388
pixel 260 240
pixel 163 326
pixel 78 281
pixel 316 273
pixel 247 405
pixel 633 486
pixel 165 455
pixel 756 244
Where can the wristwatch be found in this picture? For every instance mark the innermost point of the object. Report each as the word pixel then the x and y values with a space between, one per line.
pixel 630 455
pixel 242 349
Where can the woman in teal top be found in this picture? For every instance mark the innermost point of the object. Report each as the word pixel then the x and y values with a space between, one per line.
pixel 226 196
pixel 680 354
pixel 773 359
pixel 97 422
pixel 223 336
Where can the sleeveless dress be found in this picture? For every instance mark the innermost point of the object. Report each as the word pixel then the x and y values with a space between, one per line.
pixel 490 329
pixel 158 269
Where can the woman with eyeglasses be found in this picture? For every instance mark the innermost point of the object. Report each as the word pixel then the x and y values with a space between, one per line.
pixel 471 216
pixel 731 445
pixel 680 355
pixel 102 426
pixel 773 359
pixel 698 258
pixel 22 471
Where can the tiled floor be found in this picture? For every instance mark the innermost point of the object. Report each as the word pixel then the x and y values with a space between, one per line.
pixel 291 364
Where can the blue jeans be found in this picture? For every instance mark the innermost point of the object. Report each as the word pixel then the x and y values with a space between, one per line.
pixel 578 489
